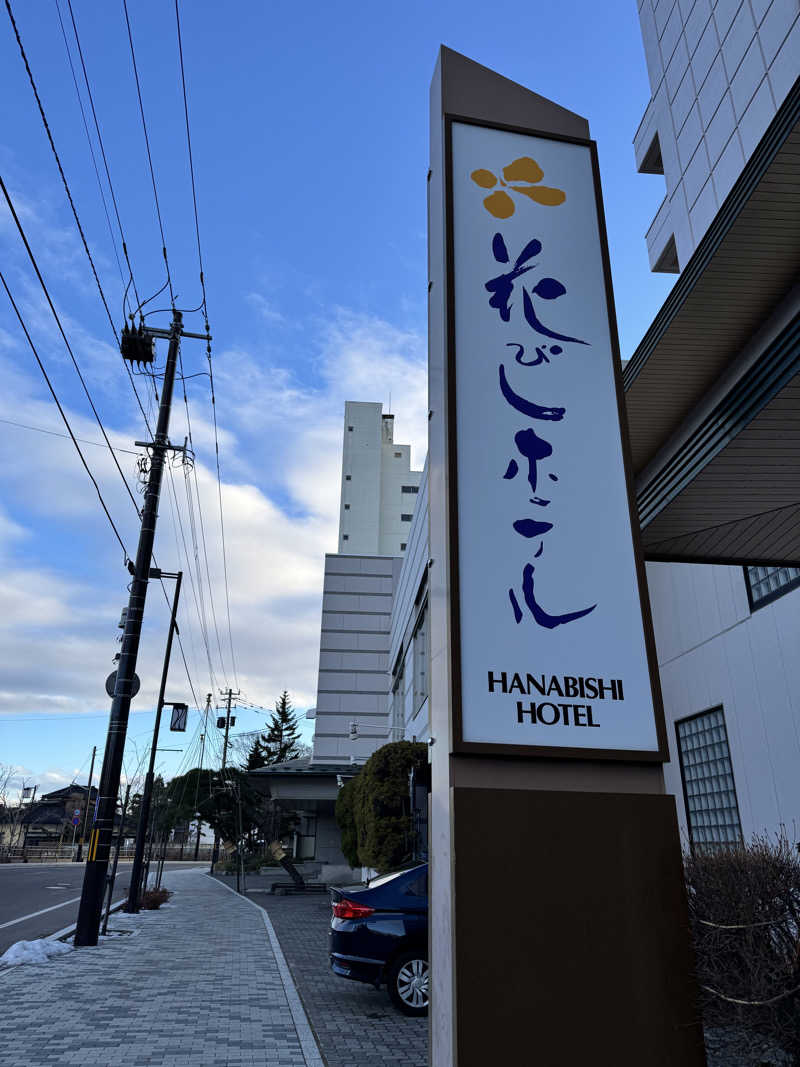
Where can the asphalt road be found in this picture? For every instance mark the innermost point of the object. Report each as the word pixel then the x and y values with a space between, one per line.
pixel 45 897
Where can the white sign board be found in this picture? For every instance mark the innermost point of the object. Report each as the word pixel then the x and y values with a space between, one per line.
pixel 553 649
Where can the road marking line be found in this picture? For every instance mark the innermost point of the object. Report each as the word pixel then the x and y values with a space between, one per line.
pixel 33 914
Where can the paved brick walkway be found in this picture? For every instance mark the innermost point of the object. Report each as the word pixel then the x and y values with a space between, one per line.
pixel 195 983
pixel 355 1025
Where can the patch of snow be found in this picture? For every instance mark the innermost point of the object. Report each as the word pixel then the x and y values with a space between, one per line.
pixel 38 951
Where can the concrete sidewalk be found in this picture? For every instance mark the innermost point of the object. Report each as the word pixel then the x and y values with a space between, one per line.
pixel 202 981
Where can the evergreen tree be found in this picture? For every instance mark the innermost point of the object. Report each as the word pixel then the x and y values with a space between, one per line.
pixel 282 739
pixel 258 755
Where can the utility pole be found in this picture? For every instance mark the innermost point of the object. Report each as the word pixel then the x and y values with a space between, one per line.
pixel 132 903
pixel 229 694
pixel 197 784
pixel 82 838
pixel 136 346
pixel 227 724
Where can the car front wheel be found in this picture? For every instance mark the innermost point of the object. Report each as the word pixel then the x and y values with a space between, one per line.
pixel 407 981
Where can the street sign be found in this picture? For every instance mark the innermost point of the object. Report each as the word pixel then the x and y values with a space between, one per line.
pixel 552 643
pixel 111 682
pixel 76 818
pixel 179 713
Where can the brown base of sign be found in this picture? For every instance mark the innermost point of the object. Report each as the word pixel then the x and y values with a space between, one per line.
pixel 571 931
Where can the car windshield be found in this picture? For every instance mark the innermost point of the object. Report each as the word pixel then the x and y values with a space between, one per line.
pixel 373 883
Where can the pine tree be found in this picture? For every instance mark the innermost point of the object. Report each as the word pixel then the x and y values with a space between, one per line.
pixel 282 739
pixel 258 755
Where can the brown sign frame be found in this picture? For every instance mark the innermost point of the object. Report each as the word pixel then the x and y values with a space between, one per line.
pixel 485 748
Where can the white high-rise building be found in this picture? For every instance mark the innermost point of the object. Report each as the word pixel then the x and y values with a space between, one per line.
pixel 379 489
pixel 718 71
pixel 378 498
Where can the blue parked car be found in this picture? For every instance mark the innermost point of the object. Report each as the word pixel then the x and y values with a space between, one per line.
pixel 379 934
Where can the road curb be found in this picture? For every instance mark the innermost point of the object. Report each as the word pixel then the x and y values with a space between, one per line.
pixel 68 931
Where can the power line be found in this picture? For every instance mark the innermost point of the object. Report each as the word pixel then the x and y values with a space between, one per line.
pixel 62 413
pixel 208 345
pixel 191 161
pixel 89 140
pixel 202 526
pixel 221 519
pixel 60 168
pixel 64 336
pixel 108 177
pixel 102 146
pixel 55 433
pixel 147 145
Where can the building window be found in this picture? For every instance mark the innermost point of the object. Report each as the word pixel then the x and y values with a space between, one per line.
pixel 398 455
pixel 347 507
pixel 765 584
pixel 406 518
pixel 410 489
pixel 403 546
pixel 345 537
pixel 712 810
pixel 421 660
pixel 398 711
pixel 347 477
pixel 349 429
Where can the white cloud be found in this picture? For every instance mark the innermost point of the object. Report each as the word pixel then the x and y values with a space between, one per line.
pixel 280 441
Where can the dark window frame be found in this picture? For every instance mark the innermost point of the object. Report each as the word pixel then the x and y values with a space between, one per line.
pixel 769 598
pixel 678 723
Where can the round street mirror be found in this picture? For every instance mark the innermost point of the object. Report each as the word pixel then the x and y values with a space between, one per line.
pixel 111 681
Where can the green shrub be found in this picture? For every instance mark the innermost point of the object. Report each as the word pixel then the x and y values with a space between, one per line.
pixel 346 821
pixel 373 810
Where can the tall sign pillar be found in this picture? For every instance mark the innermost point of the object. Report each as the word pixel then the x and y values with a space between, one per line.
pixel 559 930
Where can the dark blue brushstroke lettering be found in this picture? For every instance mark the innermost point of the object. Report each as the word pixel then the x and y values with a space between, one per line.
pixel 502 286
pixel 540 501
pixel 553 477
pixel 544 619
pixel 534 323
pixel 549 289
pixel 532 248
pixel 540 356
pixel 515 606
pixel 539 551
pixel 556 350
pixel 533 448
pixel 512 469
pixel 519 353
pixel 499 250
pixel 531 528
pixel 527 407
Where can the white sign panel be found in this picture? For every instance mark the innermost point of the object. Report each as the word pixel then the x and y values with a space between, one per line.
pixel 552 634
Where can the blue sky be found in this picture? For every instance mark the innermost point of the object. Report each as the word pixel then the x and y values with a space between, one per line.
pixel 310 136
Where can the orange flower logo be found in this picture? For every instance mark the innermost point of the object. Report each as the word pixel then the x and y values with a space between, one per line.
pixel 526 170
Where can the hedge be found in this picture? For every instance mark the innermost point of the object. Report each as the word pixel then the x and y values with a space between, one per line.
pixel 373 810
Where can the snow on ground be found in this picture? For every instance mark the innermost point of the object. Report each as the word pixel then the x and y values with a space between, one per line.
pixel 38 951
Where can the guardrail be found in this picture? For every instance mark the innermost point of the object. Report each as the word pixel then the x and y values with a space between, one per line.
pixel 67 854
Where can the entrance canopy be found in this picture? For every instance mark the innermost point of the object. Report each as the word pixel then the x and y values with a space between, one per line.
pixel 713 390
